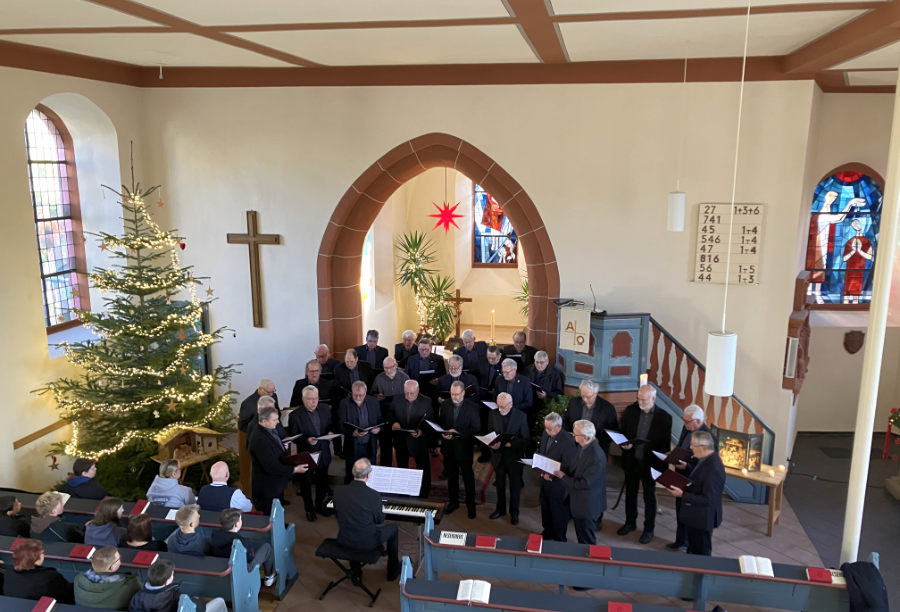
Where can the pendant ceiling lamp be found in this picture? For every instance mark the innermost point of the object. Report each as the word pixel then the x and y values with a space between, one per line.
pixel 677 202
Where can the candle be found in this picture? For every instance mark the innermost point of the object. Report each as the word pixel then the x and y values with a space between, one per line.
pixel 781 468
pixel 772 473
pixel 643 379
pixel 744 471
pixel 493 312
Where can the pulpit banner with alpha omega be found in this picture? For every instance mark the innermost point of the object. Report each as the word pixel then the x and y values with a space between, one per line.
pixel 574 329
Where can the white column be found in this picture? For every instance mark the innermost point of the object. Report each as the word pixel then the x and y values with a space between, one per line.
pixel 871 371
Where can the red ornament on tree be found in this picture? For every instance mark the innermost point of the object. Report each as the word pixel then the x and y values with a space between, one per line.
pixel 445 216
pixel 182 245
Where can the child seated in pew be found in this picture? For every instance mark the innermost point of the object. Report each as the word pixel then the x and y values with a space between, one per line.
pixel 104 585
pixel 48 526
pixel 29 580
pixel 161 592
pixel 106 528
pixel 139 534
pixel 221 540
pixel 185 540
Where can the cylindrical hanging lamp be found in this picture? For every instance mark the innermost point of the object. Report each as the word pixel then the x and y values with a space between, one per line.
pixel 721 355
pixel 675 218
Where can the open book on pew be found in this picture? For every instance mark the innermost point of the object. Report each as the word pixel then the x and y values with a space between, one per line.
pixel 668 478
pixel 308 459
pixel 619 439
pixel 825 575
pixel 675 455
pixel 478 591
pixel 761 566
pixel 44 604
pixel 493 438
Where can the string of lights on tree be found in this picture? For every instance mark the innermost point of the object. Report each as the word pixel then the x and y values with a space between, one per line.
pixel 143 376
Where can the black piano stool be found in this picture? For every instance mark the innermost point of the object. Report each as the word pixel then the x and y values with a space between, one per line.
pixel 330 548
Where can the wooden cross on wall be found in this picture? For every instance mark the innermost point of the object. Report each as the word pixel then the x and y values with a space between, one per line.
pixel 457 303
pixel 253 239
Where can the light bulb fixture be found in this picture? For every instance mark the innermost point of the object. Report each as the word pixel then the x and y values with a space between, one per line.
pixel 677 201
pixel 721 346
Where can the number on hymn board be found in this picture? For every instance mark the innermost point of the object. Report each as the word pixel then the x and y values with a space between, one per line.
pixel 713 224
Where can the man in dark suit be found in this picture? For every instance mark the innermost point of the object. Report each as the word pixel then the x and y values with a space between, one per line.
pixel 360 518
pixel 517 385
pixel 459 415
pixel 387 386
pixel 248 412
pixel 547 378
pixel 693 421
pixel 701 504
pixel 474 355
pixel 519 351
pixel 345 374
pixel 266 401
pixel 559 445
pixel 363 411
pixel 587 484
pixel 328 363
pixel 269 475
pixel 591 407
pixel 456 373
pixel 406 349
pixel 489 377
pixel 643 420
pixel 409 413
pixel 310 421
pixel 314 378
pixel 371 353
pixel 426 368
pixel 506 458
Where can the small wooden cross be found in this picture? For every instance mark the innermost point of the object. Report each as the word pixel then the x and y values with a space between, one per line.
pixel 253 239
pixel 457 302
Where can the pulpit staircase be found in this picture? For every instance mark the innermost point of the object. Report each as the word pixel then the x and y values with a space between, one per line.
pixel 623 346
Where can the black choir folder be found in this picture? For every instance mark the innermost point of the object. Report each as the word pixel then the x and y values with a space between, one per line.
pixel 668 478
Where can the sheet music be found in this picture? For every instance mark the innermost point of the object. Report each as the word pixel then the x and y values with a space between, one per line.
pixel 654 473
pixel 487 438
pixel 315 457
pixel 437 427
pixel 396 481
pixel 545 464
pixel 616 436
pixel 491 405
pixel 291 438
pixel 660 455
pixel 328 437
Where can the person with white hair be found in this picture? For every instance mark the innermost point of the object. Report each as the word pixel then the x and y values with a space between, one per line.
pixel 328 363
pixel 586 485
pixel 693 421
pixel 407 418
pixel 591 407
pixel 546 379
pixel 474 356
pixel 506 457
pixel 405 349
pixel 248 412
pixel 559 445
pixel 517 385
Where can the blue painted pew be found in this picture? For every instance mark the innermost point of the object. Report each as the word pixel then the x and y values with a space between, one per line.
pixel 433 595
pixel 202 576
pixel 637 571
pixel 15 604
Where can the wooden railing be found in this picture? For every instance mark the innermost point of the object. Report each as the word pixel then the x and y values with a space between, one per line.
pixel 680 375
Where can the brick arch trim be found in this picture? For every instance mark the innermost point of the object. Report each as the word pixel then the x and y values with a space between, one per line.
pixel 340 253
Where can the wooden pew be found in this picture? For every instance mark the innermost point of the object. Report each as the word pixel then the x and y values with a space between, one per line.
pixel 15 604
pixel 635 570
pixel 430 595
pixel 202 576
pixel 257 528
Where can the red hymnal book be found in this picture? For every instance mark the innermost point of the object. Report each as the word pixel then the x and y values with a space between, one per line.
pixel 16 543
pixel 673 479
pixel 818 574
pixel 615 606
pixel 535 543
pixel 485 542
pixel 44 604
pixel 145 558
pixel 600 552
pixel 140 506
pixel 82 551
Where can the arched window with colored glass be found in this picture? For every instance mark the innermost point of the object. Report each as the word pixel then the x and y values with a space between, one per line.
pixel 843 236
pixel 494 238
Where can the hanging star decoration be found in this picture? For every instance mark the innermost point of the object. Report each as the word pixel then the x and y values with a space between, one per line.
pixel 445 216
pixel 181 335
pixel 160 203
pixel 171 404
pixel 103 246
pixel 54 465
pixel 209 291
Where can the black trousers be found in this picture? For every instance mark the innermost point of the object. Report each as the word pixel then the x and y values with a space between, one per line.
pixel 317 478
pixel 508 469
pixel 458 456
pixel 554 511
pixel 584 530
pixel 385 446
pixel 638 475
pixel 388 534
pixel 699 541
pixel 680 531
pixel 423 461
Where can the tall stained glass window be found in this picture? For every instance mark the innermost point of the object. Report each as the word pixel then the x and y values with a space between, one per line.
pixel 495 239
pixel 843 238
pixel 54 193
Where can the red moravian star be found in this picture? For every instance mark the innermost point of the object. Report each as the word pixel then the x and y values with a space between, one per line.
pixel 445 216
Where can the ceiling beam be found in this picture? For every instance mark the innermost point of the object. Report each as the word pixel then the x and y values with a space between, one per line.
pixel 728 11
pixel 538 29
pixel 871 31
pixel 41 59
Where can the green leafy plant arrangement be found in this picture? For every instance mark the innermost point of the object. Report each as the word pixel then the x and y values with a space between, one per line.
pixel 522 297
pixel 414 255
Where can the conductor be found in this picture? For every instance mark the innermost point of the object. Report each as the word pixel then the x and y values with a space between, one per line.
pixel 360 518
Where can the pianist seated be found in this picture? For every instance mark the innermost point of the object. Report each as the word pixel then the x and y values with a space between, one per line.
pixel 360 518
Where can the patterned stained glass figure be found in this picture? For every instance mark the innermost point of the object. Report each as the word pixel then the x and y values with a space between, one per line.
pixel 494 237
pixel 843 238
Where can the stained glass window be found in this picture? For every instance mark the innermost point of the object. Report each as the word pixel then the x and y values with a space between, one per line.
pixel 495 239
pixel 56 219
pixel 843 238
pixel 367 273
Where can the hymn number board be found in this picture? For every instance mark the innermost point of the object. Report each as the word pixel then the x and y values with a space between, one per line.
pixel 713 221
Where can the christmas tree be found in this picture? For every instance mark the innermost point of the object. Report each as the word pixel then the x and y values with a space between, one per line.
pixel 144 376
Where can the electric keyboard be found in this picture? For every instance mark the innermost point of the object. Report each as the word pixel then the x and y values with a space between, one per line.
pixel 410 510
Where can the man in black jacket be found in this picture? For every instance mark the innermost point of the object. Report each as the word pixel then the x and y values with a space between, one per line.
pixel 693 421
pixel 474 355
pixel 309 422
pixel 314 378
pixel 506 457
pixel 559 445
pixel 269 475
pixel 591 407
pixel 328 363
pixel 360 518
pixel 520 351
pixel 426 368
pixel 345 375
pixel 701 504
pixel 406 349
pixel 359 412
pixel 371 353
pixel 407 418
pixel 546 380
pixel 586 486
pixel 248 413
pixel 459 415
pixel 647 422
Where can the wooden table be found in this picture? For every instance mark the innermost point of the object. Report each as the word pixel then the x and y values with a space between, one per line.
pixel 775 484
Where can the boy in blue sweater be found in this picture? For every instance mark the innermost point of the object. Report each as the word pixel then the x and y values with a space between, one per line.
pixel 185 539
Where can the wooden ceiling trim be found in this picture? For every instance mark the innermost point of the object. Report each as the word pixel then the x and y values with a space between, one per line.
pixel 717 12
pixel 367 25
pixel 41 59
pixel 866 33
pixel 89 30
pixel 835 81
pixel 538 29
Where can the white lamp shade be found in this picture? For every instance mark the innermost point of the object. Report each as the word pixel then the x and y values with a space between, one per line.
pixel 721 353
pixel 675 218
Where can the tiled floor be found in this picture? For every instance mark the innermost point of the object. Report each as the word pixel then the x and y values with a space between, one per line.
pixel 743 532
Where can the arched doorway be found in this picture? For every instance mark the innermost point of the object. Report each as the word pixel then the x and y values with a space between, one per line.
pixel 340 253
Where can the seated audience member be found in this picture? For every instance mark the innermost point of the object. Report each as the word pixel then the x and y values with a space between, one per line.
pixel 139 534
pixel 81 483
pixel 106 528
pixel 11 522
pixel 48 526
pixel 185 539
pixel 104 586
pixel 161 592
pixel 221 540
pixel 218 495
pixel 29 580
pixel 165 489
